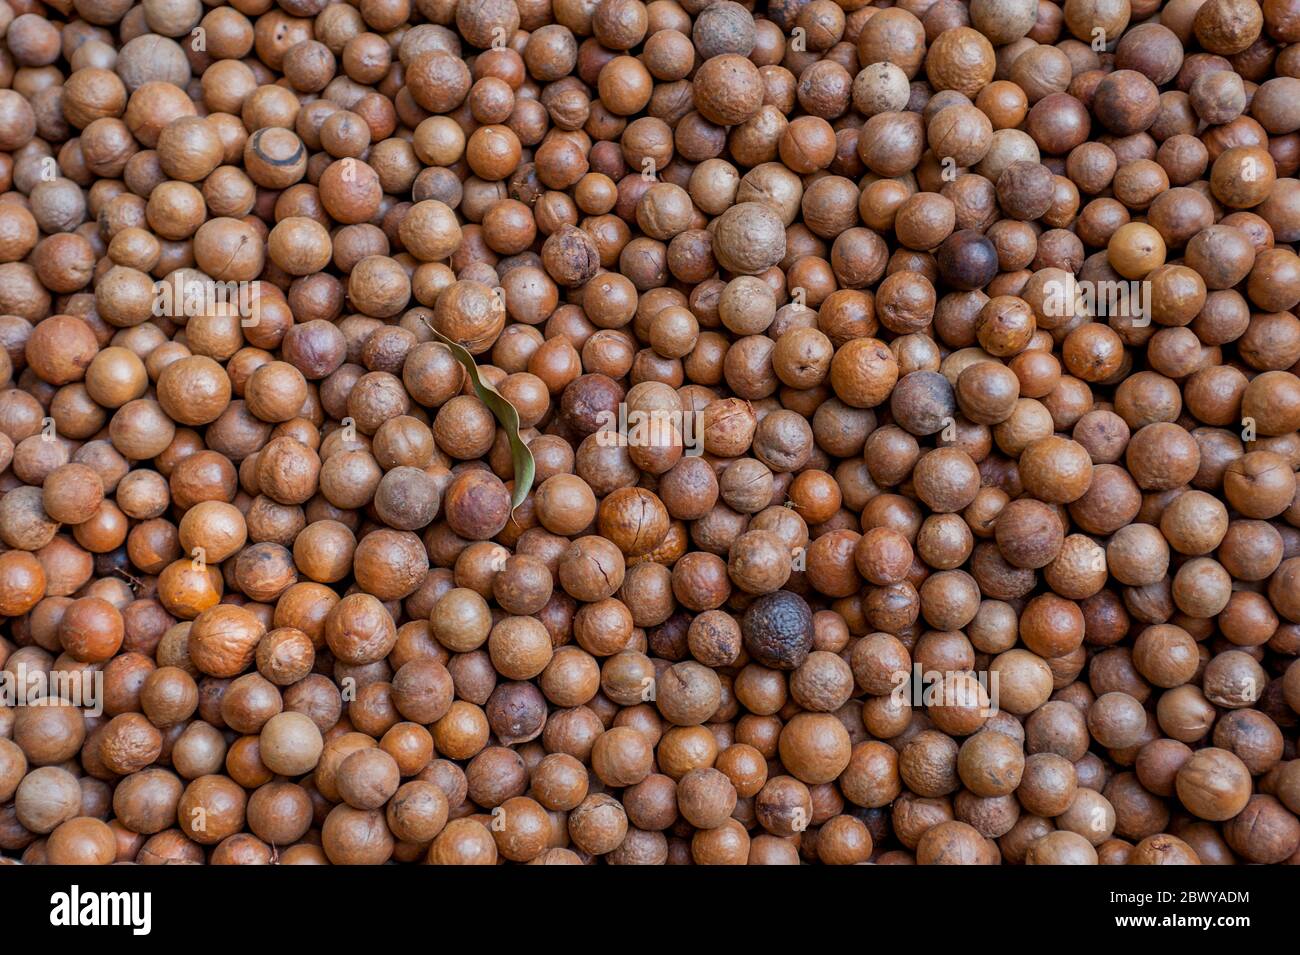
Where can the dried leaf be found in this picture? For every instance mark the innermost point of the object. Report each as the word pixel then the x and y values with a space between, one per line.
pixel 506 414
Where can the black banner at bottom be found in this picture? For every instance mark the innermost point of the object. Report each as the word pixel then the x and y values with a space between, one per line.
pixel 137 906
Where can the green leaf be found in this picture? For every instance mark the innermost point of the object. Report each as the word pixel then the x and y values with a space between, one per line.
pixel 505 413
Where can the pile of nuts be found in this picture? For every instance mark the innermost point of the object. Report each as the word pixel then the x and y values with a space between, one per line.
pixel 911 393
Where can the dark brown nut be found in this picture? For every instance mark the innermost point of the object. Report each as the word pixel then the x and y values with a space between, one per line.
pixel 777 629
